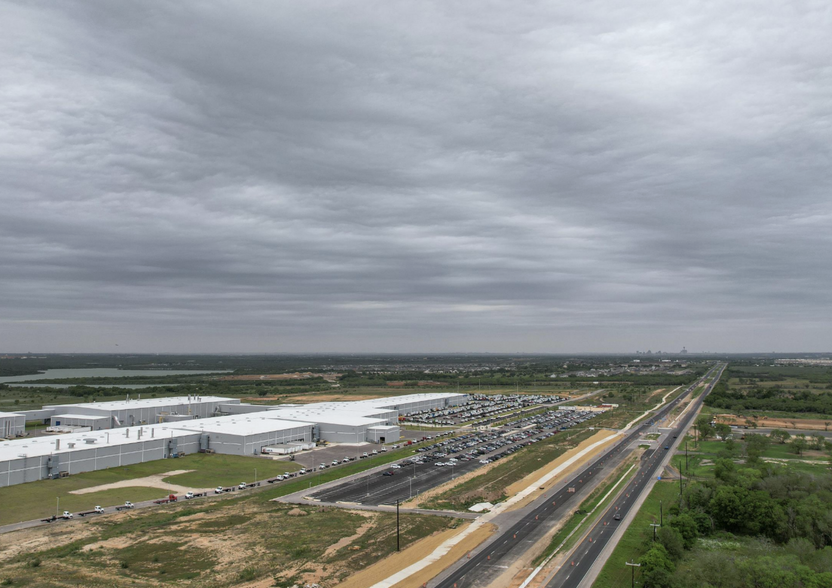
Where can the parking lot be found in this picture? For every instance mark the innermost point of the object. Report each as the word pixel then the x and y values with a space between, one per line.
pixel 442 461
pixel 481 407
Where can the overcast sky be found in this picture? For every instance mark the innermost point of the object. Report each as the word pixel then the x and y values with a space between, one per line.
pixel 415 176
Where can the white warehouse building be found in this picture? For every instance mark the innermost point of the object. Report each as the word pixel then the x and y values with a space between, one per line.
pixel 28 460
pixel 245 432
pixel 143 411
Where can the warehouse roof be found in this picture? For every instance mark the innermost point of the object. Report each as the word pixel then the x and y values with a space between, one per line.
pixel 330 413
pixel 243 424
pixel 38 446
pixel 10 414
pixel 148 402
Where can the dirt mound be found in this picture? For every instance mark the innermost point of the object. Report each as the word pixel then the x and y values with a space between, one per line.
pixel 296 512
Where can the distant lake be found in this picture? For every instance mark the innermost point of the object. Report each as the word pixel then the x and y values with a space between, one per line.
pixel 126 386
pixel 105 373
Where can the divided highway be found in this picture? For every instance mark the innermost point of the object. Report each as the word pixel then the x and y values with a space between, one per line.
pixel 586 554
pixel 480 568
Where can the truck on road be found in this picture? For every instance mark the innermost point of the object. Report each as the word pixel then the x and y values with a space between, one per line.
pixel 170 498
pixel 126 506
pixel 97 510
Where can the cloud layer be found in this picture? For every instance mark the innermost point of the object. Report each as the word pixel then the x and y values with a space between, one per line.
pixel 415 176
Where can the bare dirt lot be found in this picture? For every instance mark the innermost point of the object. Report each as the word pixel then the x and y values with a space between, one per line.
pixel 248 542
pixel 155 481
pixel 776 423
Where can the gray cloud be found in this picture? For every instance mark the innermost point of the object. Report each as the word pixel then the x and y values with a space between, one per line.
pixel 414 176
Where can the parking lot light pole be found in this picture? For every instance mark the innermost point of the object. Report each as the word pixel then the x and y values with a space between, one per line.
pixel 634 566
pixel 397 524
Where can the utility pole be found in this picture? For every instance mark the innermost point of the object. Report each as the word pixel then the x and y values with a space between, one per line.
pixel 654 525
pixel 397 524
pixel 661 513
pixel 634 566
pixel 686 458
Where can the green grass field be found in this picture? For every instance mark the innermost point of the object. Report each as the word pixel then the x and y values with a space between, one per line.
pixel 38 499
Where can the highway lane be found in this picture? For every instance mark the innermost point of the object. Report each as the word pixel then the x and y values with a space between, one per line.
pixel 572 572
pixel 479 569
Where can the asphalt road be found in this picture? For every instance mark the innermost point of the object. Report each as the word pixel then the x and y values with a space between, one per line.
pixel 570 576
pixel 480 568
pixel 406 482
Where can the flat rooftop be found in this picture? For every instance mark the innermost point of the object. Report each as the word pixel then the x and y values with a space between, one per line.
pixel 243 424
pixel 330 415
pixel 39 446
pixel 146 402
pixel 10 414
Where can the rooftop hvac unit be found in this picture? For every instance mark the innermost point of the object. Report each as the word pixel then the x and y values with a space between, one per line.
pixel 89 440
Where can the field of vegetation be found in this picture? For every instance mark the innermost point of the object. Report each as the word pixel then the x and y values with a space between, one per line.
pixel 790 391
pixel 755 512
pixel 326 378
pixel 212 544
pixel 39 499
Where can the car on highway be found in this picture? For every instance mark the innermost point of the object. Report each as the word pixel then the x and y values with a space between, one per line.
pixel 389 473
pixel 616 517
pixel 396 466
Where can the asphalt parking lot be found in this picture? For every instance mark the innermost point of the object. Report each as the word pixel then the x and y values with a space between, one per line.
pixel 457 456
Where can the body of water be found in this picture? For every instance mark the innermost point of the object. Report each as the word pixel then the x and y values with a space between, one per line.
pixel 126 386
pixel 104 373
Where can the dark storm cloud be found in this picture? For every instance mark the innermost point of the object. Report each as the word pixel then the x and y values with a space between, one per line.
pixel 414 176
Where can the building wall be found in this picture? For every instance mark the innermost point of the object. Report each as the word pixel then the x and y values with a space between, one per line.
pixel 93 422
pixel 342 433
pixel 234 444
pixel 12 425
pixel 87 458
pixel 138 415
pixel 391 435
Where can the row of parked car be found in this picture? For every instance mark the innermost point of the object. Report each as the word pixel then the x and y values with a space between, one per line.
pixel 481 406
pixel 553 419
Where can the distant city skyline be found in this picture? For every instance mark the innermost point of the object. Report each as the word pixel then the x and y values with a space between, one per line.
pixel 414 177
